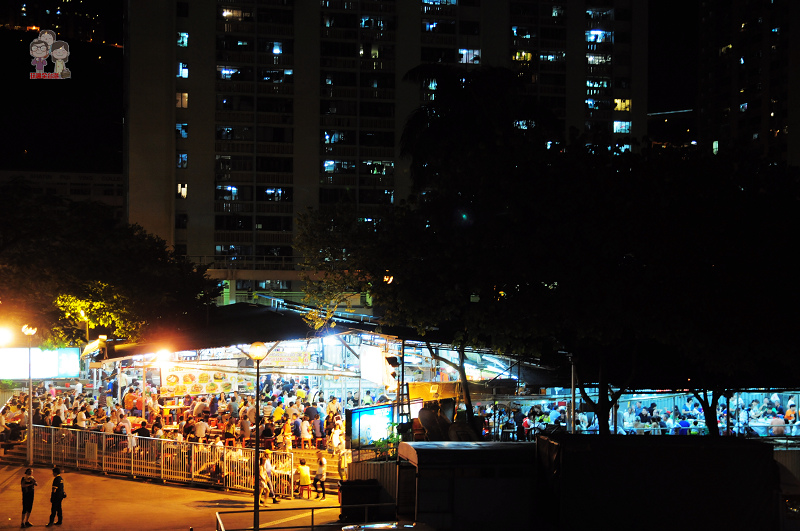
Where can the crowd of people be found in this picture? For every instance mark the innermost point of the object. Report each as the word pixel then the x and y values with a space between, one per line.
pixel 767 415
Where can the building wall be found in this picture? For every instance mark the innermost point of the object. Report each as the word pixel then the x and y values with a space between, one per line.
pixel 749 77
pixel 334 68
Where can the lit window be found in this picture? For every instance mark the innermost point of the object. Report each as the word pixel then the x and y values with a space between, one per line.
pixel 715 147
pixel 558 11
pixel 227 72
pixel 277 48
pixel 622 127
pixel 183 160
pixel 599 36
pixel 182 130
pixel 183 39
pixel 521 31
pixel 182 190
pixel 594 59
pixel 182 100
pixel 597 83
pixel 622 104
pixel 183 70
pixel 469 56
pixel 743 107
pixel 522 55
pixel 552 56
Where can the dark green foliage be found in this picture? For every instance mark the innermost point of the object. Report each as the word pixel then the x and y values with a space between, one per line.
pixel 122 277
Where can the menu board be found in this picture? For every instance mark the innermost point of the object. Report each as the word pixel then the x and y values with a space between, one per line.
pixel 181 381
pixel 282 358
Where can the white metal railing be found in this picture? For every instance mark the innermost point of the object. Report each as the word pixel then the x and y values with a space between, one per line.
pixel 166 459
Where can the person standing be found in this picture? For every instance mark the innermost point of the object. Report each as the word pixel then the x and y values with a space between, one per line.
pixel 56 497
pixel 28 483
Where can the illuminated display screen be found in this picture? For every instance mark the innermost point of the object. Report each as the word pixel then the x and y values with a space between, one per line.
pixel 60 363
pixel 365 425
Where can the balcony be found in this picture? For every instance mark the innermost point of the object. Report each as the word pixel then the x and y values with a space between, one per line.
pixel 267 263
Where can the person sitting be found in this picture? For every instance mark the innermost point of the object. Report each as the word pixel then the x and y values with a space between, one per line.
pixel 791 413
pixel 778 425
pixel 201 428
pixel 244 428
pixel 305 433
pixel 230 430
pixel 304 476
pixel 316 427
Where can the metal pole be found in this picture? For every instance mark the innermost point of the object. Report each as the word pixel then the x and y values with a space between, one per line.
pixel 30 404
pixel 256 462
pixel 572 412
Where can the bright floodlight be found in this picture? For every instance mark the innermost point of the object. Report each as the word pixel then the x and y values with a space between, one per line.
pixel 28 330
pixel 258 351
pixel 5 336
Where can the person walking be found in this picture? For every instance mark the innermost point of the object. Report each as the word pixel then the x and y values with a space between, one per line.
pixel 319 477
pixel 28 483
pixel 57 495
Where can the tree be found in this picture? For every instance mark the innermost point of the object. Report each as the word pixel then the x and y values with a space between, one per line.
pixel 644 269
pixel 65 263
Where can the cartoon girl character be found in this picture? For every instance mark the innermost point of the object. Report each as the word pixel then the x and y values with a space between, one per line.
pixel 40 52
pixel 48 36
pixel 60 54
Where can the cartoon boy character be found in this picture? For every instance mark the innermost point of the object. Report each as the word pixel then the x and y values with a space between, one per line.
pixel 59 53
pixel 40 53
pixel 48 36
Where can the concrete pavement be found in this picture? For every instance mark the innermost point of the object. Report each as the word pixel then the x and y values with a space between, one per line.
pixel 98 502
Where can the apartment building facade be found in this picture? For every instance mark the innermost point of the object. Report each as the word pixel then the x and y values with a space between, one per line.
pixel 749 100
pixel 242 114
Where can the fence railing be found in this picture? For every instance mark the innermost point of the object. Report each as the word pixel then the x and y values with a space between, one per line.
pixel 354 511
pixel 165 459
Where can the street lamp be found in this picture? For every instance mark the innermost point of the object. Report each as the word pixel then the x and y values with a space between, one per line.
pixel 29 331
pixel 258 351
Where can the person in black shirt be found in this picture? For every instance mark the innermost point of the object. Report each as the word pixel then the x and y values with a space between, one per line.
pixel 142 431
pixel 56 496
pixel 28 484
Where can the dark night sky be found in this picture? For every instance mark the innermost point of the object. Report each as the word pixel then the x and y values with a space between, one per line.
pixel 672 69
pixel 77 124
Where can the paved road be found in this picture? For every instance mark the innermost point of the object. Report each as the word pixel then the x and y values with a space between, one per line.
pixel 97 502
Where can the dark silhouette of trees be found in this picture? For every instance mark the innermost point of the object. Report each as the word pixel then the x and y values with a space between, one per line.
pixel 663 272
pixel 58 258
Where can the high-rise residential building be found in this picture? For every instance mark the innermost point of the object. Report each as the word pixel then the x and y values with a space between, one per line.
pixel 242 114
pixel 749 99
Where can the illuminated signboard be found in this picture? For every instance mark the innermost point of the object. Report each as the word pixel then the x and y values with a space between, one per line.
pixel 45 364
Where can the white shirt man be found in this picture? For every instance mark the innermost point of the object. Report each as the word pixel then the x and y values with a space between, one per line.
pixel 333 406
pixel 81 419
pixel 108 427
pixel 200 429
pixel 78 388
pixel 124 421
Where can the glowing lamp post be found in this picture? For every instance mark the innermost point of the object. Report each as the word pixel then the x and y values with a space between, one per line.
pixel 258 351
pixel 29 331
